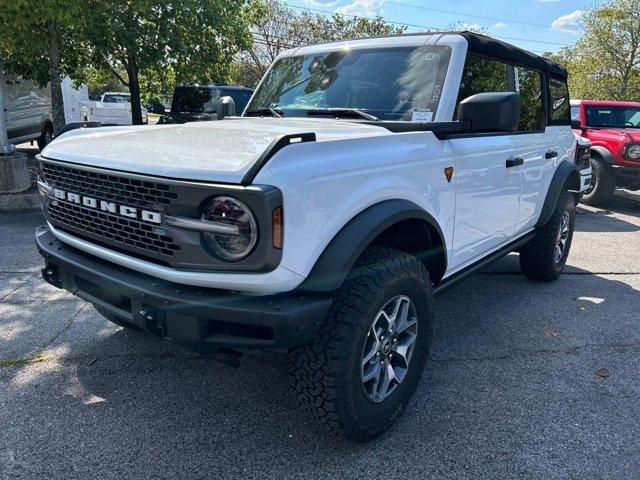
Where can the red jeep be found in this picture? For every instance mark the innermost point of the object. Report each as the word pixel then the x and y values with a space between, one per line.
pixel 614 131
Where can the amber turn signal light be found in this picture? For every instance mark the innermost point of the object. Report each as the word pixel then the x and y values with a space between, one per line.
pixel 277 227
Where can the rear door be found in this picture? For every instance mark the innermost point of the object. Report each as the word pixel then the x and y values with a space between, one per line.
pixel 534 145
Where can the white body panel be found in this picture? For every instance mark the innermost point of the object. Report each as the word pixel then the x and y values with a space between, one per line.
pixel 109 113
pixel 350 167
pixel 322 197
pixel 207 151
pixel 72 98
pixel 28 107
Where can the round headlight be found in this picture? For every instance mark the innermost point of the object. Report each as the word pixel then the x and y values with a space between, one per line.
pixel 634 152
pixel 230 211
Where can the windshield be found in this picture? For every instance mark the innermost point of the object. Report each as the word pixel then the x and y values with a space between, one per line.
pixel 616 117
pixel 389 83
pixel 116 98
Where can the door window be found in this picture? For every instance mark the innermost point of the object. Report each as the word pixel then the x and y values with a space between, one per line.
pixel 528 84
pixel 560 112
pixel 482 74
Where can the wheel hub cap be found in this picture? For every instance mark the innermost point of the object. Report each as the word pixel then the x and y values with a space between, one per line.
pixel 388 348
pixel 563 236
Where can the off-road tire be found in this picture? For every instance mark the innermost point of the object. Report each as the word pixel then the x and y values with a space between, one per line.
pixel 326 375
pixel 117 320
pixel 45 136
pixel 537 258
pixel 603 184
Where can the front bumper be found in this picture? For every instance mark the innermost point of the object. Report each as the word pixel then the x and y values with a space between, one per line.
pixel 585 178
pixel 198 318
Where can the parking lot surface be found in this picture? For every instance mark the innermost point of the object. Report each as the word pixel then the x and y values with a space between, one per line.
pixel 525 380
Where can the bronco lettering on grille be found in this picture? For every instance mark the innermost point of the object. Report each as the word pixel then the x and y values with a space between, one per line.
pixel 111 207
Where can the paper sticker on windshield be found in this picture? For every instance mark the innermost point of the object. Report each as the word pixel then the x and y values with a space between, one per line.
pixel 422 115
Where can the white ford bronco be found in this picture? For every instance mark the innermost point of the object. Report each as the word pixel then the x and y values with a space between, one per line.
pixel 362 177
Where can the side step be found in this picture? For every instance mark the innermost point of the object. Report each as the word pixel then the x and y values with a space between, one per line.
pixel 497 255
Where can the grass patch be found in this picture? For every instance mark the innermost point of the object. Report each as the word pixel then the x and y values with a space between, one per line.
pixel 20 362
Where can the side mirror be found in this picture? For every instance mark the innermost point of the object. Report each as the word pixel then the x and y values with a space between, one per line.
pixel 491 111
pixel 575 124
pixel 226 107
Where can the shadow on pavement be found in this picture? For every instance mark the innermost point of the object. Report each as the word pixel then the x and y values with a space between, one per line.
pixel 606 217
pixel 500 392
pixel 510 388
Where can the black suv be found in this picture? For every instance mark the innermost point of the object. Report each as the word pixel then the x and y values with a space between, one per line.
pixel 197 102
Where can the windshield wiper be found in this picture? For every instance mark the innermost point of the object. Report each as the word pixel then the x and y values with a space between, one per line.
pixel 269 111
pixel 343 112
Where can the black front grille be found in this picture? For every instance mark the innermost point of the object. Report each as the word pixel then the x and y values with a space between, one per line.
pixel 112 228
pixel 120 189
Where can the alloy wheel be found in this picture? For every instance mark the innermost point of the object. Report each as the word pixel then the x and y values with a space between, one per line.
pixel 563 236
pixel 388 348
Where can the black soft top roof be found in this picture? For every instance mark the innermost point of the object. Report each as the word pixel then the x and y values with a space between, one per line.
pixel 490 47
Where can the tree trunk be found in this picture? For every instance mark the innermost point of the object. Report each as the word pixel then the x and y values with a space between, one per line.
pixel 134 90
pixel 57 102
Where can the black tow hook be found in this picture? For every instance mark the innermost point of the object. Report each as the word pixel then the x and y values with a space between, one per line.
pixel 50 275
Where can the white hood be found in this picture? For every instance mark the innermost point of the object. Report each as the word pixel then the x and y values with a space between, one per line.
pixel 221 151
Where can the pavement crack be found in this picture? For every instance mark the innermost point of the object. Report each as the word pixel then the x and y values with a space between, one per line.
pixel 57 335
pixel 14 290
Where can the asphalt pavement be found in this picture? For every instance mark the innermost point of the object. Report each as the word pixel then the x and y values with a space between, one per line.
pixel 525 380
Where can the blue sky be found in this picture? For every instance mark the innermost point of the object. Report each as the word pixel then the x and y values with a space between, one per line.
pixel 536 25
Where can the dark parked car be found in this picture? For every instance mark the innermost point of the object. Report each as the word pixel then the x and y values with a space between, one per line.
pixel 197 102
pixel 155 106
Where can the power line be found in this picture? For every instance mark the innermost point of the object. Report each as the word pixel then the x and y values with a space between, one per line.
pixel 262 39
pixel 317 10
pixel 496 19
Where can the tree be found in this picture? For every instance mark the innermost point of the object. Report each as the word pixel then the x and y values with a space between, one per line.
pixel 280 28
pixel 604 64
pixel 195 39
pixel 41 45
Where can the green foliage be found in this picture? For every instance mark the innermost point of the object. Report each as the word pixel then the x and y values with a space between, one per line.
pixel 24 42
pixel 279 27
pixel 604 64
pixel 181 40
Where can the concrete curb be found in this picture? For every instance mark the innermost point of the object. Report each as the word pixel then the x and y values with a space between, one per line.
pixel 25 201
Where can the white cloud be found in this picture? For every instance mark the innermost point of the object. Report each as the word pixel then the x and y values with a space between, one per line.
pixel 568 23
pixel 321 3
pixel 500 25
pixel 366 8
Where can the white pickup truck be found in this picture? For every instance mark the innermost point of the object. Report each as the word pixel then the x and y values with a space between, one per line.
pixel 114 108
pixel 362 178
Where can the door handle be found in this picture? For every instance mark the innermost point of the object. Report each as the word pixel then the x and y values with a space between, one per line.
pixel 550 154
pixel 514 162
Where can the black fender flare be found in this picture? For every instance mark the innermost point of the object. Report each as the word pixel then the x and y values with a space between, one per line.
pixel 337 259
pixel 566 175
pixel 604 154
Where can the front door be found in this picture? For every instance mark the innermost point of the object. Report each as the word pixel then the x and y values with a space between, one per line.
pixel 488 183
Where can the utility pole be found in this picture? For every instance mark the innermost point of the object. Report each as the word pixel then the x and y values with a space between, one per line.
pixel 6 148
pixel 14 172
